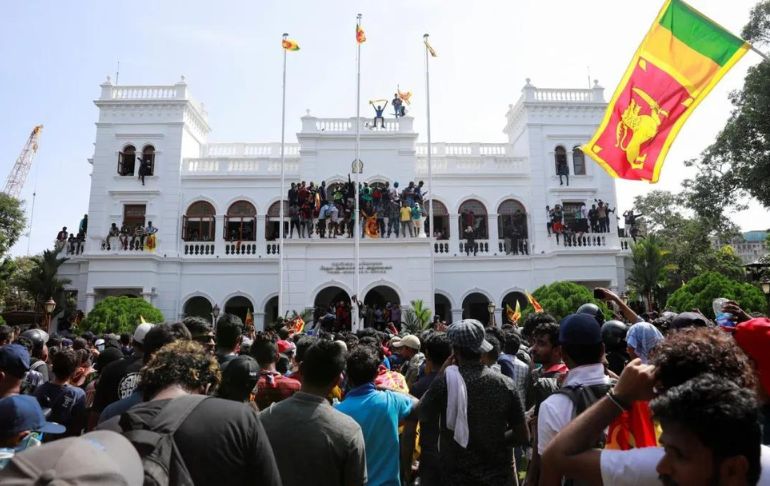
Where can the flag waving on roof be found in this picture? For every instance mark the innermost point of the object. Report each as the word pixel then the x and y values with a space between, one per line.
pixel 682 58
pixel 290 45
pixel 360 35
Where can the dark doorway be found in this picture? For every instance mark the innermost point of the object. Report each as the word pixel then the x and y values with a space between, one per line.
pixel 239 306
pixel 198 307
pixel 443 308
pixel 475 307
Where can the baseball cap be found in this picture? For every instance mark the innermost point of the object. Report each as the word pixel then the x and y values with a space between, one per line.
pixel 239 376
pixel 141 331
pixel 409 341
pixel 753 336
pixel 468 333
pixel 284 346
pixel 688 319
pixel 22 412
pixel 14 359
pixel 97 458
pixel 580 329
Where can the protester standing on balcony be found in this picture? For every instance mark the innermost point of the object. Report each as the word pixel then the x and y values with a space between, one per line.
pixel 112 234
pixel 397 106
pixel 378 111
pixel 417 219
pixel 470 241
pixel 406 220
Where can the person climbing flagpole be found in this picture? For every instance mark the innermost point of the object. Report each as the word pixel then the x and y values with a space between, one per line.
pixel 430 52
pixel 287 45
pixel 358 167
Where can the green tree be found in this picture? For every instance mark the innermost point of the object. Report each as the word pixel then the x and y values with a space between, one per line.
pixel 119 315
pixel 700 292
pixel 12 222
pixel 12 272
pixel 649 272
pixel 737 164
pixel 417 317
pixel 563 298
pixel 42 283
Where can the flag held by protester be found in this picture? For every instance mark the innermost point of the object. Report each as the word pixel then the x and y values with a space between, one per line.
pixel 513 315
pixel 534 303
pixel 290 45
pixel 681 59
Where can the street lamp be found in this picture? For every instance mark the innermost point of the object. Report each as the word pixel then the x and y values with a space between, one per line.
pixel 765 284
pixel 49 307
pixel 215 315
pixel 491 309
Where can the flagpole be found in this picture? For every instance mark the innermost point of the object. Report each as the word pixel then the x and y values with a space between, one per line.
pixel 280 199
pixel 761 54
pixel 430 177
pixel 358 166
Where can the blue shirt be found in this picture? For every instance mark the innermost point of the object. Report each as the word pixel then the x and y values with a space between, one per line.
pixel 378 414
pixel 123 405
pixel 67 404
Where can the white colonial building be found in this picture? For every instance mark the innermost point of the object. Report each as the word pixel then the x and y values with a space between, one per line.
pixel 201 192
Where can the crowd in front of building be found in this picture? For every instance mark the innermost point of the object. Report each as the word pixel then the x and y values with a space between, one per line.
pixel 671 398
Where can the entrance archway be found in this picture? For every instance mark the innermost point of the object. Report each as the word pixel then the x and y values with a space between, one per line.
pixel 327 297
pixel 198 307
pixel 239 306
pixel 511 298
pixel 475 307
pixel 443 307
pixel 381 296
pixel 271 311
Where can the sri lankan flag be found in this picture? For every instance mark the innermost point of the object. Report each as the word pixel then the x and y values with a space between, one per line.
pixel 534 303
pixel 682 58
pixel 290 45
pixel 360 35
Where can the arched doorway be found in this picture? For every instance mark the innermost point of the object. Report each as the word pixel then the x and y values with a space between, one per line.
pixel 441 217
pixel 271 221
pixel 198 307
pixel 473 213
pixel 322 306
pixel 510 299
pixel 512 226
pixel 199 222
pixel 271 311
pixel 375 305
pixel 443 308
pixel 239 306
pixel 475 307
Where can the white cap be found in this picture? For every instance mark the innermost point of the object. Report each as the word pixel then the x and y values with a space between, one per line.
pixel 409 341
pixel 141 331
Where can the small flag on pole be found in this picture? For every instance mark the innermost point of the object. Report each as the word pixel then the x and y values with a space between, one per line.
pixel 534 303
pixel 290 45
pixel 682 58
pixel 405 96
pixel 360 35
pixel 430 49
pixel 513 315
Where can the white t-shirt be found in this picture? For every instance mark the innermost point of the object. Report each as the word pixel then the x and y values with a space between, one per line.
pixel 636 467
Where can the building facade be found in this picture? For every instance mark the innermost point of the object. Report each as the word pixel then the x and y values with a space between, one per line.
pixel 750 246
pixel 216 208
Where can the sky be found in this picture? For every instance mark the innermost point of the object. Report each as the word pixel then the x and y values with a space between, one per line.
pixel 55 54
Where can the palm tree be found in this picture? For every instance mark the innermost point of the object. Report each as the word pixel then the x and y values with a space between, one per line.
pixel 650 267
pixel 41 282
pixel 417 318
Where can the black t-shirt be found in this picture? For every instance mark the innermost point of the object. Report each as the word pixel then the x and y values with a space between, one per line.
pixel 222 442
pixel 108 386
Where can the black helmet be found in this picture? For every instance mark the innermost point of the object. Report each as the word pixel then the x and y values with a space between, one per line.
pixel 37 336
pixel 614 334
pixel 592 309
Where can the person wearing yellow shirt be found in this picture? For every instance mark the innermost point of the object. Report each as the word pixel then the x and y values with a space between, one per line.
pixel 406 220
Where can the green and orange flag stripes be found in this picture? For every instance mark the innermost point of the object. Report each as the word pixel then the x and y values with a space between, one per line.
pixel 682 58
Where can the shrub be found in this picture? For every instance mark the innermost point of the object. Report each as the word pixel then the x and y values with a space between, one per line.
pixel 563 298
pixel 699 293
pixel 119 314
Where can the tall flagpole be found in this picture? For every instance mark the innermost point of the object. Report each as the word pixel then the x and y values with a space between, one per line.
pixel 357 227
pixel 280 199
pixel 430 178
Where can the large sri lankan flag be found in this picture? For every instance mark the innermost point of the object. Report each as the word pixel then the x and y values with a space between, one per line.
pixel 683 57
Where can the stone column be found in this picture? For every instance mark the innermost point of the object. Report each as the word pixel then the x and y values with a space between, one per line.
pixel 493 234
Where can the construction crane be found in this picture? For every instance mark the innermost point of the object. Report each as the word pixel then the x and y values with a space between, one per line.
pixel 18 175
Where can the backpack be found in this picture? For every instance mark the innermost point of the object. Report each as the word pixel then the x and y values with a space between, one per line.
pixel 582 397
pixel 154 440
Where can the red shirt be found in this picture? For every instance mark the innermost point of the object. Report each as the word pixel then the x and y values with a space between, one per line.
pixel 273 387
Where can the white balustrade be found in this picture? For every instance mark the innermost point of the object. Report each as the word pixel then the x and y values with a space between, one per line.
pixel 272 149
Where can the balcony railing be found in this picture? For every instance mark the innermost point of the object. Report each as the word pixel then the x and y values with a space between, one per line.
pixel 311 124
pixel 238 166
pixel 473 165
pixel 249 150
pixel 459 149
pixel 199 249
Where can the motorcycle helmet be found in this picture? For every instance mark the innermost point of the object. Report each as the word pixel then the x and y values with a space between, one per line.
pixel 593 310
pixel 614 334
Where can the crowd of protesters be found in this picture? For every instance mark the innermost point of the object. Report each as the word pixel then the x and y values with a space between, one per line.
pixel 328 211
pixel 579 227
pixel 672 399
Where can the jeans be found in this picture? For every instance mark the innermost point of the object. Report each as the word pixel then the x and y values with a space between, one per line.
pixel 407 225
pixel 392 226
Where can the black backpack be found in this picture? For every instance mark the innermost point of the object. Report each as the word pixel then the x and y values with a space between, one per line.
pixel 582 397
pixel 154 440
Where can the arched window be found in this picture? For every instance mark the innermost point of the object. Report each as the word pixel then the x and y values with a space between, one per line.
pixel 440 216
pixel 560 159
pixel 199 222
pixel 578 161
pixel 512 224
pixel 271 221
pixel 148 157
pixel 241 222
pixel 127 160
pixel 473 214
